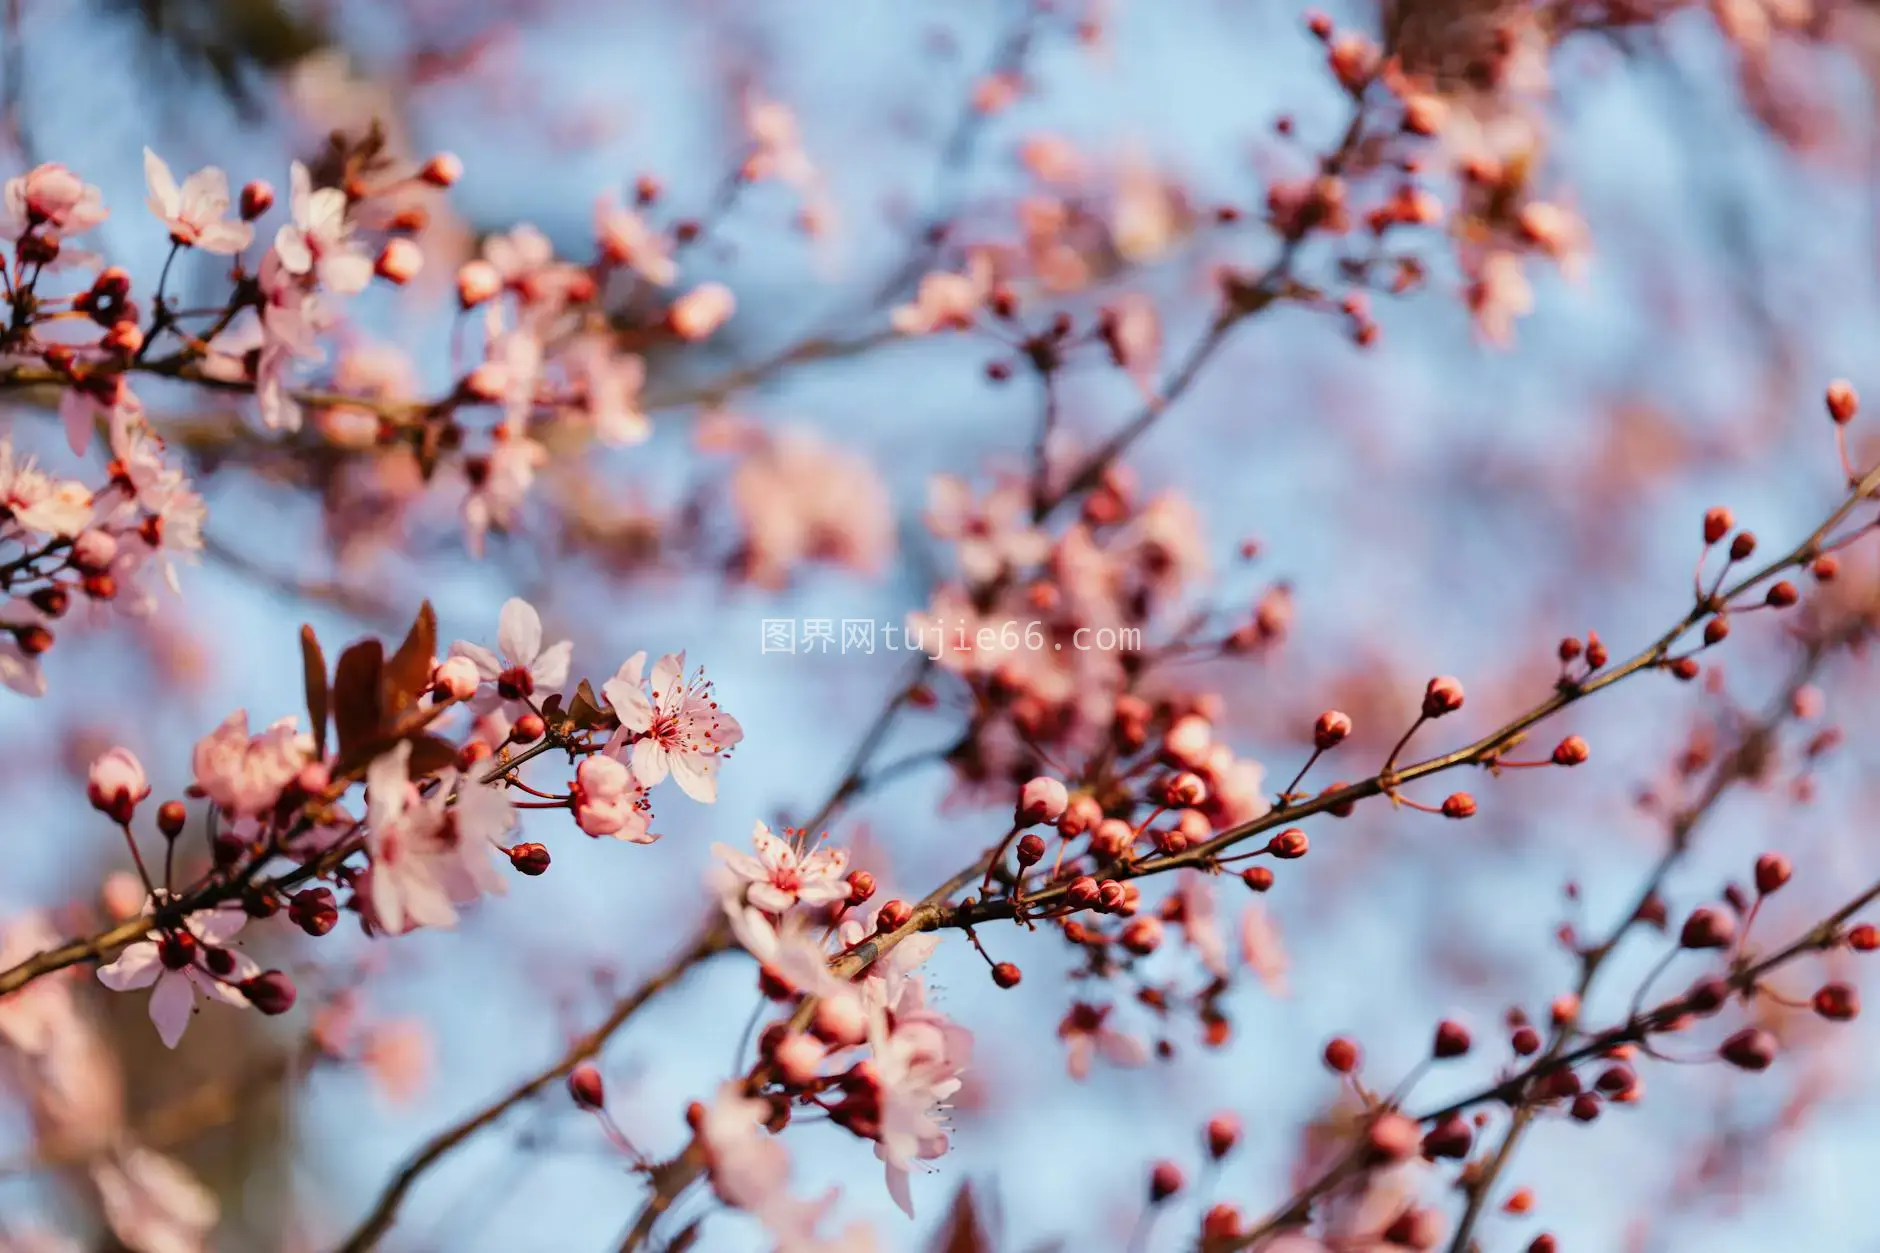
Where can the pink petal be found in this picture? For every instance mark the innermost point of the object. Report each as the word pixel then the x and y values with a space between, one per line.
pixel 170 1007
pixel 136 967
pixel 550 668
pixel 697 776
pixel 649 762
pixel 519 631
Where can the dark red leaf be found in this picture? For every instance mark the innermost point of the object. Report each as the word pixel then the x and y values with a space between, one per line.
pixel 408 672
pixel 313 672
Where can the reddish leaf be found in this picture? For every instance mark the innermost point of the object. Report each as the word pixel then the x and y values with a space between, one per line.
pixel 408 672
pixel 313 671
pixel 430 754
pixel 357 714
pixel 586 711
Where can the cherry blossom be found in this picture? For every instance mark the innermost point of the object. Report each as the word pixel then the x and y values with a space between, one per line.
pixel 317 241
pixel 992 535
pixel 195 212
pixel 946 301
pixel 51 197
pixel 38 502
pixel 182 963
pixel 914 1087
pixel 152 1203
pixel 626 239
pixel 526 670
pixel 787 949
pixel 20 669
pixel 609 800
pixel 1085 1031
pixel 799 498
pixel 748 1165
pixel 680 729
pixel 778 877
pixel 245 775
pixel 429 853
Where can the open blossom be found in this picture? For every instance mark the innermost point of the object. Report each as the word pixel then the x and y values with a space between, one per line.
pixel 608 800
pixel 195 212
pixel 1085 1031
pixel 701 311
pixel 680 729
pixel 778 877
pixel 946 301
pixel 38 502
pixel 52 197
pixel 246 775
pixel 318 241
pixel 799 498
pixel 787 949
pixel 19 667
pixel 152 1203
pixel 100 397
pixel 993 534
pixel 915 1085
pixel 34 1016
pixel 607 389
pixel 429 853
pixel 525 668
pixel 177 966
pixel 499 484
pixel 749 1166
pixel 627 240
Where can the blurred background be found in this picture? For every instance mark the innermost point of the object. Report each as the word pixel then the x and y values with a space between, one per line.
pixel 1436 504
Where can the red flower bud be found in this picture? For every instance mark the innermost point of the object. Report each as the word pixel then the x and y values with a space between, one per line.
pixel 585 1086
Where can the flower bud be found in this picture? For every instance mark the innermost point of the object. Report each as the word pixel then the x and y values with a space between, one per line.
pixel 1707 928
pixel 399 261
pixel 477 282
pixel 701 311
pixel 894 915
pixel 1459 805
pixel 861 887
pixel 1041 800
pixel 1165 1180
pixel 1718 522
pixel 1837 1002
pixel 271 992
pixel 1330 730
pixel 530 859
pixel 1452 1040
pixel 314 911
pixel 442 170
pixel 1772 871
pixel 1341 1055
pixel 1223 1133
pixel 1843 402
pixel 456 677
pixel 116 783
pixel 257 199
pixel 1571 751
pixel 1006 975
pixel 1442 696
pixel 1289 845
pixel 1749 1049
pixel 586 1087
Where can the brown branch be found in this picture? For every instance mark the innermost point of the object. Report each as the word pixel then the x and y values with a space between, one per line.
pixel 713 940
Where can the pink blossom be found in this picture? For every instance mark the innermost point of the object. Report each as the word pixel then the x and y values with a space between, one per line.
pixel 993 535
pixel 177 969
pixel 398 1056
pixel 1199 919
pixel 498 491
pixel 946 301
pixel 37 501
pixel 109 400
pixel 1085 1030
pixel 607 389
pixel 914 1087
pixel 19 669
pixel 748 1165
pixel 152 1203
pixel 799 498
pixel 777 877
pixel 626 239
pixel 1260 948
pixel 787 950
pixel 701 311
pixel 429 854
pixel 33 1017
pixel 243 775
pixel 608 800
pixel 679 729
pixel 318 240
pixel 195 212
pixel 457 677
pixel 49 196
pixel 526 669
pixel 116 783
